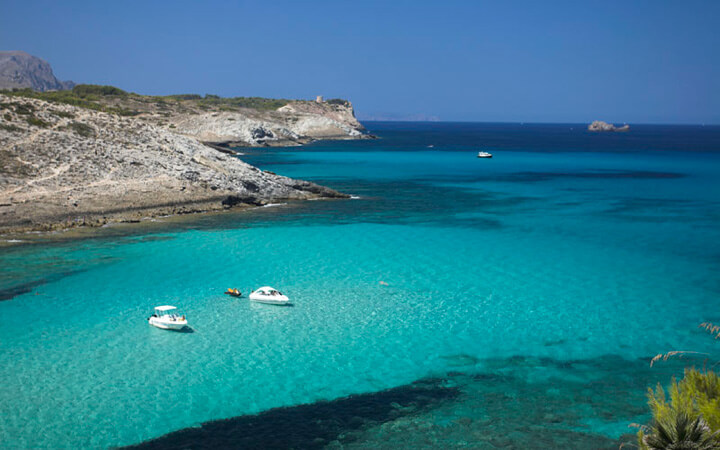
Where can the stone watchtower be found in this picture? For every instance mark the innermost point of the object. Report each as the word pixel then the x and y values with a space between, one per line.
pixel 319 99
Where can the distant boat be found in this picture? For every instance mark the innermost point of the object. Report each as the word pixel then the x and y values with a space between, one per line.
pixel 269 295
pixel 484 155
pixel 167 318
pixel 234 292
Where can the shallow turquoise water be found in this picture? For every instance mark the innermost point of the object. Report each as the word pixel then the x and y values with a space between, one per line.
pixel 578 261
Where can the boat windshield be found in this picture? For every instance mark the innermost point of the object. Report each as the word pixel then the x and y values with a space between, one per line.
pixel 269 292
pixel 172 315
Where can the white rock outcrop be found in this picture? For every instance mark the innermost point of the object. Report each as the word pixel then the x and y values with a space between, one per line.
pixel 294 123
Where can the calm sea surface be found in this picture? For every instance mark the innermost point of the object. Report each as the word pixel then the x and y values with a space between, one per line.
pixel 522 298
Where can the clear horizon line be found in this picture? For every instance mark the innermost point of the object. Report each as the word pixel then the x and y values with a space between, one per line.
pixel 540 123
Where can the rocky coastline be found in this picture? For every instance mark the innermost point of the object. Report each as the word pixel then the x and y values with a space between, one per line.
pixel 64 166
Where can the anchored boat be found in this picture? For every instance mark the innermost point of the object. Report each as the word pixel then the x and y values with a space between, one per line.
pixel 484 155
pixel 167 317
pixel 269 295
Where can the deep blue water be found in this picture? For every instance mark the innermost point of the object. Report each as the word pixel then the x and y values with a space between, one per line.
pixel 521 302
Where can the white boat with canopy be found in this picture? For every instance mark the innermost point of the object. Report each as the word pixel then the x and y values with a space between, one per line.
pixel 484 155
pixel 267 294
pixel 168 318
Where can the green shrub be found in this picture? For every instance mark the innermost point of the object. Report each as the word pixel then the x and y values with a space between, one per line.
pixel 232 103
pixel 37 122
pixel 680 432
pixel 82 129
pixel 123 111
pixel 9 127
pixel 183 97
pixel 65 114
pixel 696 397
pixel 24 109
pixel 7 116
pixel 85 90
pixel 338 101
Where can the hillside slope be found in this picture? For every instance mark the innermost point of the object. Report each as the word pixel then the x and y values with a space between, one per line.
pixel 62 165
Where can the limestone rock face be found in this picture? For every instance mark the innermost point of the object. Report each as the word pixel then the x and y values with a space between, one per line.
pixel 599 125
pixel 295 123
pixel 20 70
pixel 61 164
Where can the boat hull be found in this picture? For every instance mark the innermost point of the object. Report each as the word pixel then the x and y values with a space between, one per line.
pixel 167 325
pixel 268 301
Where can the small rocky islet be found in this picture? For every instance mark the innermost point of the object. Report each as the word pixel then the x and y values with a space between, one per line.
pixel 599 125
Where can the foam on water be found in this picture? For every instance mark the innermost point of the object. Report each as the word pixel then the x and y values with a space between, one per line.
pixel 561 259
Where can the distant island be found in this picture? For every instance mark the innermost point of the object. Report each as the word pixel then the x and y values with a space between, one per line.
pixel 599 125
pixel 98 154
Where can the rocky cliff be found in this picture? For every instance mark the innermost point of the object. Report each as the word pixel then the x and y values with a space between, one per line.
pixel 62 165
pixel 20 70
pixel 298 122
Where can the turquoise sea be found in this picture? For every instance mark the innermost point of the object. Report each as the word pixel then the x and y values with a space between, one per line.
pixel 522 299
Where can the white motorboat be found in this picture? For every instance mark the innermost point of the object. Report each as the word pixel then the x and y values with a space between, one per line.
pixel 168 318
pixel 269 295
pixel 484 155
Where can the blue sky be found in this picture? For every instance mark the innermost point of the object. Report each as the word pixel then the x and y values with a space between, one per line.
pixel 534 61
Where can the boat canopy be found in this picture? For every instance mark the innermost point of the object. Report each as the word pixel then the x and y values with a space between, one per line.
pixel 165 308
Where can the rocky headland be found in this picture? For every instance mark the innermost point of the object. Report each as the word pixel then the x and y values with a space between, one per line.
pixel 97 154
pixel 295 123
pixel 599 125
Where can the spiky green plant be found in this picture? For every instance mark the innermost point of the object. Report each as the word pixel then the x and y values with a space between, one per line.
pixel 680 433
pixel 691 416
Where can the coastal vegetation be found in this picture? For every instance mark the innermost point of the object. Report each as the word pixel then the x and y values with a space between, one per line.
pixel 36 122
pixel 26 112
pixel 690 418
pixel 338 101
pixel 94 90
pixel 227 104
pixel 81 129
pixel 83 95
pixel 10 127
pixel 114 100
